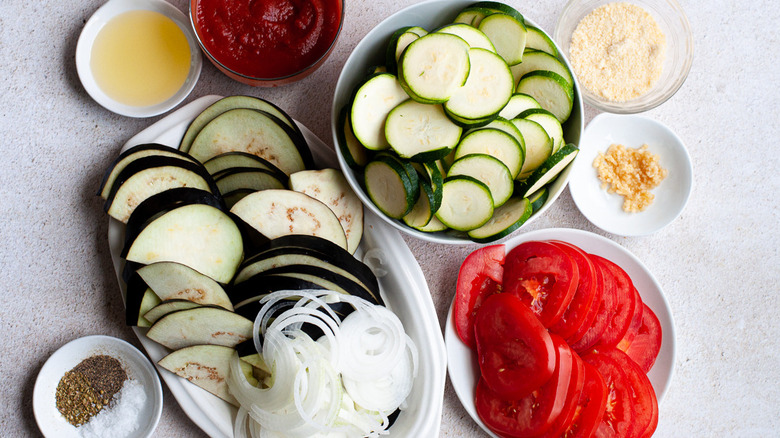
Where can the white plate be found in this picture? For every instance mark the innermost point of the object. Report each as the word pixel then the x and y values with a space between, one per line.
pixel 136 365
pixel 371 52
pixel 605 210
pixel 403 288
pixel 462 362
pixel 103 15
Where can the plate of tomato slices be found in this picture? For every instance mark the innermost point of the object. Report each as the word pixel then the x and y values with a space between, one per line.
pixel 559 332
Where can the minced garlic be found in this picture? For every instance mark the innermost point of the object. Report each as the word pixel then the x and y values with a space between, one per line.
pixel 618 51
pixel 631 173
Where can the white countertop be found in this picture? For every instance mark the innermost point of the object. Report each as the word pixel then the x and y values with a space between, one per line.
pixel 718 263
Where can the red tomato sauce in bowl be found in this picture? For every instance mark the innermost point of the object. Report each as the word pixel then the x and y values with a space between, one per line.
pixel 266 39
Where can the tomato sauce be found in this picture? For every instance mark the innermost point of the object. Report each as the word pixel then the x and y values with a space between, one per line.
pixel 267 38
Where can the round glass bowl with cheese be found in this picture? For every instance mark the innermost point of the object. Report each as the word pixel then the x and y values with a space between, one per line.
pixel 673 24
pixel 138 58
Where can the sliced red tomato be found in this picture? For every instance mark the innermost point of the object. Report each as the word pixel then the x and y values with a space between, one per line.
pixel 515 352
pixel 619 419
pixel 590 317
pixel 573 394
pixel 533 414
pixel 575 314
pixel 592 334
pixel 620 315
pixel 543 276
pixel 590 407
pixel 646 345
pixel 643 395
pixel 479 277
pixel 636 322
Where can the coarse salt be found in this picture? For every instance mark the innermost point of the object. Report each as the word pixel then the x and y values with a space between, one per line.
pixel 122 418
pixel 618 51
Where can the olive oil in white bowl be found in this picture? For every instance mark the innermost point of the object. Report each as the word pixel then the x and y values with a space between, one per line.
pixel 138 58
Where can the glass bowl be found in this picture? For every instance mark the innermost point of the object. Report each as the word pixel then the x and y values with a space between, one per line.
pixel 370 51
pixel 219 60
pixel 679 51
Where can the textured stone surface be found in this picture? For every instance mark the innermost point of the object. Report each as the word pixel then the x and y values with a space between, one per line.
pixel 718 263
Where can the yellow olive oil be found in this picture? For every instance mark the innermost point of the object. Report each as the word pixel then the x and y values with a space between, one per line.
pixel 140 58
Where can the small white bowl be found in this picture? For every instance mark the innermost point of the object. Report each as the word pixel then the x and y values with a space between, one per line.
pixel 136 365
pixel 103 15
pixel 605 210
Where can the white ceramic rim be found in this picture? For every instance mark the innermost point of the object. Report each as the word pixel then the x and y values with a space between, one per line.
pixel 604 209
pixel 138 367
pixel 353 70
pixel 111 9
pixel 462 362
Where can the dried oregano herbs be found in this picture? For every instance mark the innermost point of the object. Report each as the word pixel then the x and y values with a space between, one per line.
pixel 89 387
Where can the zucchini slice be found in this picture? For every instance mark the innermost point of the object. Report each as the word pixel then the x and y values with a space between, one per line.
pixel 399 41
pixel 507 34
pixel 423 211
pixel 488 170
pixel 434 66
pixel 538 40
pixel 538 198
pixel 518 103
pixel 421 132
pixel 494 7
pixel 472 16
pixel 433 173
pixel 277 213
pixel 148 176
pixel 175 281
pixel 207 366
pixel 373 102
pixel 506 219
pixel 231 160
pixel 548 171
pixel 538 145
pixel 134 153
pixel 331 187
pixel 200 326
pixel 229 103
pixel 473 36
pixel 255 132
pixel 390 186
pixel 435 225
pixel 487 89
pixel 551 90
pixel 467 203
pixel 550 123
pixel 353 152
pixel 493 142
pixel 197 235
pixel 534 60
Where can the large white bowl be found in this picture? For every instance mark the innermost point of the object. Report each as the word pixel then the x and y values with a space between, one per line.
pixel 370 51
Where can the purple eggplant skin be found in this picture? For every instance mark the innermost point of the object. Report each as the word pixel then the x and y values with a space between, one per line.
pixel 158 161
pixel 136 149
pixel 161 203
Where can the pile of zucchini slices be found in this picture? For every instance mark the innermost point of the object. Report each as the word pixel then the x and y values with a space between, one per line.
pixel 234 214
pixel 461 129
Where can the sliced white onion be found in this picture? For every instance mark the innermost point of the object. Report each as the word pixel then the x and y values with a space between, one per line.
pixel 344 384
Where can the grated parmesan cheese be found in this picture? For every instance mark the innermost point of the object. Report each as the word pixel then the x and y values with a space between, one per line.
pixel 618 51
pixel 631 173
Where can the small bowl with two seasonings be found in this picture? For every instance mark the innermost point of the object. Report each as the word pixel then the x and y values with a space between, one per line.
pixel 97 386
pixel 628 57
